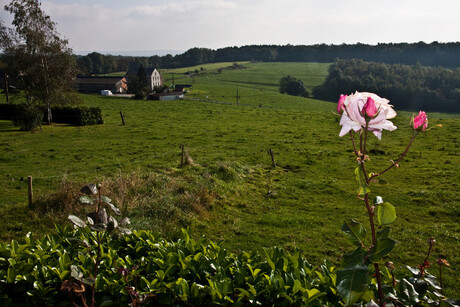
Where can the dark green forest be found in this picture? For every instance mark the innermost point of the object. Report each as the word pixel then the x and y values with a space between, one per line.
pixel 433 54
pixel 408 87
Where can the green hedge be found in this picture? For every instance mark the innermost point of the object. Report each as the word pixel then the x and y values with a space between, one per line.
pixel 8 111
pixel 78 116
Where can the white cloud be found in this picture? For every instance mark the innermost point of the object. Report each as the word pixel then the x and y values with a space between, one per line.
pixel 182 24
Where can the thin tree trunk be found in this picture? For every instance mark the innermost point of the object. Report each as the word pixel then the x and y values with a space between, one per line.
pixel 48 102
pixel 6 88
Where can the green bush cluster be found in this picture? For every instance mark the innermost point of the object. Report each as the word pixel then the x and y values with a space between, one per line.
pixel 141 267
pixel 7 111
pixel 81 116
pixel 28 117
pixel 146 268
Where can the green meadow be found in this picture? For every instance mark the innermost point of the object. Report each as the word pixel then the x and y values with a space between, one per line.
pixel 231 192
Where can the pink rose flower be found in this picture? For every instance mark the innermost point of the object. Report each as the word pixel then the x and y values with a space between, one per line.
pixel 370 109
pixel 420 122
pixel 353 119
pixel 340 106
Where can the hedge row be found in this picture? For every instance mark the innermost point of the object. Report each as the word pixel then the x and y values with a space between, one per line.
pixel 77 116
pixel 81 116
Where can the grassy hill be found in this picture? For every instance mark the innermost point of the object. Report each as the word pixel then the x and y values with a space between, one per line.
pixel 231 192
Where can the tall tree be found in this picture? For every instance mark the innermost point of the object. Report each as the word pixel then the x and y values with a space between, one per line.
pixel 38 58
pixel 138 84
pixel 293 86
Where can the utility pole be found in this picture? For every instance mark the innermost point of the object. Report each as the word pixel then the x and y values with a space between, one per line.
pixel 237 96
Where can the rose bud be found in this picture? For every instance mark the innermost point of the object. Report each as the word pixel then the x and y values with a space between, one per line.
pixel 420 122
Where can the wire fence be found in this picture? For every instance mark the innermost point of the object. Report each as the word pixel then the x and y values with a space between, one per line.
pixel 118 165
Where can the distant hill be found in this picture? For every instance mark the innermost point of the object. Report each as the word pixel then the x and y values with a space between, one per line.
pixel 134 53
pixel 432 54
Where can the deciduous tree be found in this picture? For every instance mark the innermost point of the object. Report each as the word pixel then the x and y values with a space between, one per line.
pixel 293 86
pixel 39 60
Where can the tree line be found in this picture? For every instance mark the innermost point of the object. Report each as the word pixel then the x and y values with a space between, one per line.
pixel 408 87
pixel 432 54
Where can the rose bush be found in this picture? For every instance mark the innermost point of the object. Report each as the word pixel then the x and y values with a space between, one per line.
pixel 366 274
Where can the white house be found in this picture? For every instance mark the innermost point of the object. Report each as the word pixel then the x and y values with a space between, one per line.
pixel 152 76
pixel 155 78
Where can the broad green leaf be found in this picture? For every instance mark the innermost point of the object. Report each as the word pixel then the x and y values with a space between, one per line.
pixel 77 221
pixel 312 292
pixel 384 233
pixel 115 209
pixel 371 303
pixel 432 281
pixel 98 227
pixel 243 293
pixel 369 296
pixel 75 272
pixel 414 271
pixel 407 292
pixel 269 260
pixel 10 275
pixel 356 257
pixel 382 248
pixel 352 282
pixel 125 221
pixel 89 281
pixel 421 286
pixel 89 189
pixel 106 303
pixel 297 286
pixel 363 186
pixel 355 232
pixel 124 231
pixel 386 214
pixel 106 200
pixel 86 200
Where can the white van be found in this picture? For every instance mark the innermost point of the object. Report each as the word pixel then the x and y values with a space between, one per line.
pixel 106 93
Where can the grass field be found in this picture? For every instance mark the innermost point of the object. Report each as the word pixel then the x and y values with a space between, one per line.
pixel 232 193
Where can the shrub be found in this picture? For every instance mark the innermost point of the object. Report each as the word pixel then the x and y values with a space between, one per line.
pixel 28 117
pixel 78 116
pixel 81 116
pixel 293 86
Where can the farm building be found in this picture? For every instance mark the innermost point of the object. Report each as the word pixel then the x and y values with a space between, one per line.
pixel 97 84
pixel 183 87
pixel 166 96
pixel 152 76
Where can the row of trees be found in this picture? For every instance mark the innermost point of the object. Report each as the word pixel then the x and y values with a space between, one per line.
pixel 408 87
pixel 433 54
pixel 35 57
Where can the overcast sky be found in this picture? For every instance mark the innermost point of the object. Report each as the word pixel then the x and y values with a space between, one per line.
pixel 115 25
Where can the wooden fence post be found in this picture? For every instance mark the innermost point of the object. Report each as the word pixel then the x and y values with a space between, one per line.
pixel 270 151
pixel 122 118
pixel 182 155
pixel 31 192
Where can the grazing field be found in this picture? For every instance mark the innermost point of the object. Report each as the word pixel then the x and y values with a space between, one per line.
pixel 231 192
